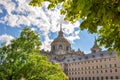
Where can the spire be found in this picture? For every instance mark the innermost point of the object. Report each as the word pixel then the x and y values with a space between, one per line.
pixel 60 26
pixel 95 42
pixel 60 32
pixel 95 47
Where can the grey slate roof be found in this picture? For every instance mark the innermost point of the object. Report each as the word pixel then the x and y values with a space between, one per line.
pixel 98 55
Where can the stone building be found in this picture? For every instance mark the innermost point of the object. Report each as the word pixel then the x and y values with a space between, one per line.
pixel 97 65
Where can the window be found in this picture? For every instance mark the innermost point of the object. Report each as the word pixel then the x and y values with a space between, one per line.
pixel 82 78
pixel 67 48
pixel 106 77
pixel 111 70
pixel 69 78
pixel 79 58
pixel 93 56
pixel 115 65
pixel 97 71
pixel 75 78
pixel 101 55
pixel 89 71
pixel 106 71
pixel 111 77
pixel 105 66
pixel 92 67
pixel 82 72
pixel 89 78
pixel 115 70
pixel 73 59
pixel 102 78
pixel 75 73
pixel 96 67
pixel 89 67
pixel 97 78
pixel 81 68
pixel 68 60
pixel 86 57
pixel 60 46
pixel 110 65
pixel 101 71
pixel 93 72
pixel 116 77
pixel 53 47
pixel 72 78
pixel 79 78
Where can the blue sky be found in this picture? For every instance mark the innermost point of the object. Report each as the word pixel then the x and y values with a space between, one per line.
pixel 15 15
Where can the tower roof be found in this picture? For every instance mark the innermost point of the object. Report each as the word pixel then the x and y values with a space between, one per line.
pixel 60 37
pixel 95 47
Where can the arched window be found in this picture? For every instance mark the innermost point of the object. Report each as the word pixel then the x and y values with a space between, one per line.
pixel 111 70
pixel 75 78
pixel 110 65
pixel 115 70
pixel 115 65
pixel 60 46
pixel 97 78
pixel 106 77
pixel 111 77
pixel 102 78
pixel 89 78
pixel 116 77
pixel 53 47
pixel 82 78
pixel 67 48
pixel 106 71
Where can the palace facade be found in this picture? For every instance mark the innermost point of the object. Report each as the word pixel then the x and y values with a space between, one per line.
pixel 97 65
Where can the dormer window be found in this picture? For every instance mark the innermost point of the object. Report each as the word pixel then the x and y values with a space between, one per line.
pixel 86 57
pixel 73 59
pixel 79 58
pixel 93 56
pixel 101 55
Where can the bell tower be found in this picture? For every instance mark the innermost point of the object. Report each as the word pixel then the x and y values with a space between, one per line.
pixel 95 47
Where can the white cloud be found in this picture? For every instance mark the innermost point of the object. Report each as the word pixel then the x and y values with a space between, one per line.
pixel 46 20
pixel 6 38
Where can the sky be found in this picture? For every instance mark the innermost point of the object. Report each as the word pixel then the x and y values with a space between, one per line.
pixel 16 14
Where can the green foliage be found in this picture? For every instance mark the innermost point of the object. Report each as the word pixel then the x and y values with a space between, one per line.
pixel 94 13
pixel 21 60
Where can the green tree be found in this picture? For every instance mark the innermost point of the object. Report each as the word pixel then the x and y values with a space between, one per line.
pixel 94 13
pixel 21 60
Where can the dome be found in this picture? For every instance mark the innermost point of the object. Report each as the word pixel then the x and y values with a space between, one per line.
pixel 60 40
